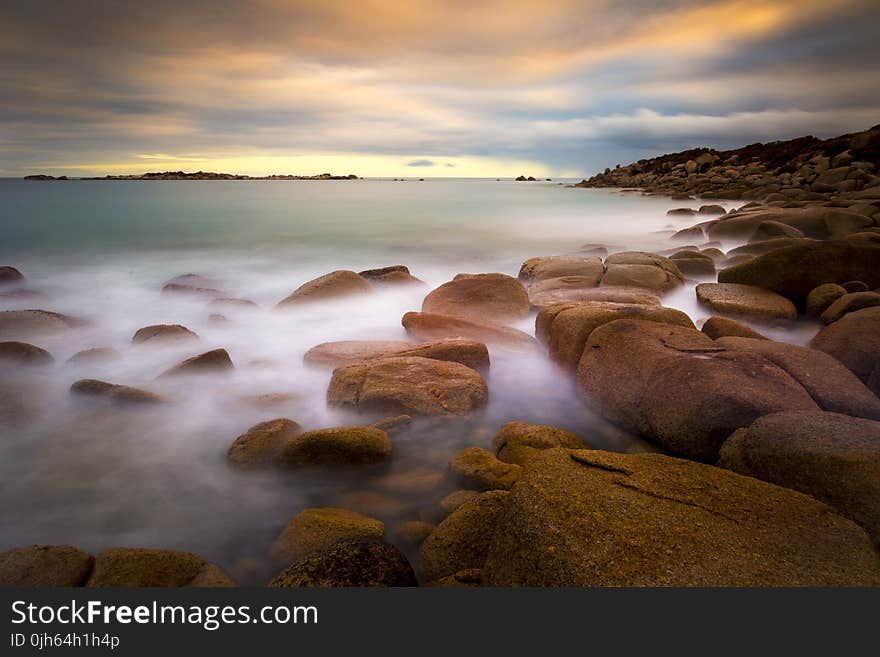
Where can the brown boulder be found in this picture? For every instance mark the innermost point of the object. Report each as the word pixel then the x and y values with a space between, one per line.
pixel 315 530
pixel 854 340
pixel 396 274
pixel 17 324
pixel 216 360
pixel 10 275
pixel 590 518
pixel 822 296
pixel 261 444
pixel 746 301
pixel 336 354
pixel 589 270
pixel 719 327
pixel 431 326
pixel 335 285
pixel 694 263
pixel 517 442
pixel 849 303
pixel 115 392
pixel 496 297
pixel 192 284
pixel 163 333
pixel 349 563
pixel 649 277
pixel 44 566
pixel 411 385
pixel 139 567
pixel 570 289
pixel 336 446
pixel 476 468
pixel 95 355
pixel 22 353
pixel 678 387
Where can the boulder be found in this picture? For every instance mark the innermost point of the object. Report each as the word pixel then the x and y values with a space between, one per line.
pixel 694 263
pixel 336 354
pixel 718 327
pixel 477 468
pixel 816 222
pixel 749 301
pixel 163 333
pixel 315 530
pixel 140 567
pixel 17 324
pixel 335 285
pixel 854 340
pixel 855 286
pixel 571 289
pixel 591 518
pixel 770 230
pixel 192 284
pixel 396 274
pixel 10 275
pixel 409 385
pixel 462 540
pixel 649 277
pixel 493 297
pixel 679 388
pixel 834 458
pixel 822 296
pixel 571 328
pixel 262 443
pixel 543 268
pixel 848 303
pixel 336 446
pixel 214 361
pixel 349 563
pixel 711 209
pixel 95 355
pixel 115 392
pixel 44 566
pixel 431 326
pixel 831 385
pixel 455 499
pixel 22 353
pixel 517 442
pixel 794 271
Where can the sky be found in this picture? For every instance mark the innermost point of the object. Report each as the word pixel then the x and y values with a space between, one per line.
pixel 422 88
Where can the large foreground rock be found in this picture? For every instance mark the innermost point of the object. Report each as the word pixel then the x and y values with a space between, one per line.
pixel 589 518
pixel 314 530
pixel 431 326
pixel 336 354
pixel 139 567
pixel 493 297
pixel 410 385
pixel 349 563
pixel 679 388
pixel 832 457
pixel 45 565
pixel 332 286
pixel 479 469
pixel 854 340
pixel 795 271
pixel 746 301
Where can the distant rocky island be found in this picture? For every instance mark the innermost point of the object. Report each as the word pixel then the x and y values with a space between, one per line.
pixel 198 175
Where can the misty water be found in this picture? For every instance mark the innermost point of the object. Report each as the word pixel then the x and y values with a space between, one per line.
pixel 73 471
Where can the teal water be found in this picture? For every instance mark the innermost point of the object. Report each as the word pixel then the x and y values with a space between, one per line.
pixel 96 477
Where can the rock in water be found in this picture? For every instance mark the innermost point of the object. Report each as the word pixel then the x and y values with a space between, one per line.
pixel 679 388
pixel 10 275
pixel 832 457
pixel 336 446
pixel 517 442
pixel 746 301
pixel 140 567
pixel 481 297
pixel 718 327
pixel 477 468
pixel 115 392
pixel 413 386
pixel 22 353
pixel 262 443
pixel 216 360
pixel 95 355
pixel 335 285
pixel 590 518
pixel 854 340
pixel 394 275
pixel 45 565
pixel 349 563
pixel 17 324
pixel 589 270
pixel 336 354
pixel 314 530
pixel 431 326
pixel 163 333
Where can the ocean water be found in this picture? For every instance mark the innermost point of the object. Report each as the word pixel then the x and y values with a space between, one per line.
pixel 80 473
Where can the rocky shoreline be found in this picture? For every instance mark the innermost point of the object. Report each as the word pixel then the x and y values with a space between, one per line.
pixel 753 462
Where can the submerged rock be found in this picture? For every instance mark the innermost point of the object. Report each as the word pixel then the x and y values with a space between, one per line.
pixel 494 297
pixel 44 566
pixel 431 326
pixel 140 567
pixel 834 458
pixel 349 563
pixel 262 443
pixel 115 392
pixel 22 353
pixel 590 518
pixel 336 446
pixel 746 301
pixel 314 530
pixel 163 333
pixel 410 385
pixel 335 285
pixel 474 467
pixel 216 360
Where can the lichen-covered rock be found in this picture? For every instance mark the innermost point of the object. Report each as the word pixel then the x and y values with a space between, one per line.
pixel 349 563
pixel 590 518
pixel 262 443
pixel 834 458
pixel 336 446
pixel 477 468
pixel 314 530
pixel 414 532
pixel 409 385
pixel 22 353
pixel 335 285
pixel 140 567
pixel 44 566
pixel 493 297
pixel 517 442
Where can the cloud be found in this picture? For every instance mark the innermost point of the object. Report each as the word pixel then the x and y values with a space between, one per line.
pixel 420 163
